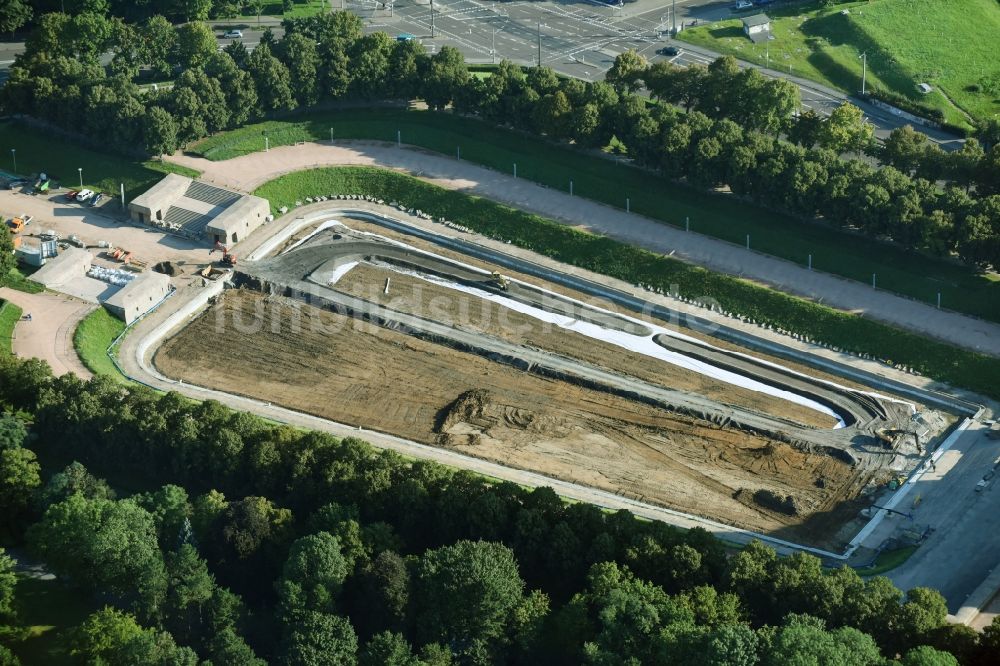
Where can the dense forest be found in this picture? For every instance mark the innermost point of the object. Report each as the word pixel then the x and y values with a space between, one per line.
pixel 212 536
pixel 712 127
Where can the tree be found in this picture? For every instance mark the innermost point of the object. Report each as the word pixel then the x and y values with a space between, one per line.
pixel 300 56
pixel 627 71
pixel 846 130
pixel 159 131
pixel 104 546
pixel 12 432
pixel 159 41
pixel 13 15
pixel 805 640
pixel 370 64
pixel 923 611
pixel 388 649
pixel 194 46
pixel 19 477
pixel 313 575
pixel 319 639
pixel 7 261
pixel 806 129
pixel 169 507
pixel 466 592
pixel 382 594
pixel 227 649
pixel 552 115
pixel 272 79
pixel 904 148
pixel 925 655
pixel 194 10
pixel 8 584
pixel 190 587
pixel 447 74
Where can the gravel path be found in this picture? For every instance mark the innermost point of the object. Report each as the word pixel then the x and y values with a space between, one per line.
pixel 49 334
pixel 250 171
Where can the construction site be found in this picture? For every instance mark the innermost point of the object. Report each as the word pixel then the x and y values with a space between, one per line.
pixel 363 322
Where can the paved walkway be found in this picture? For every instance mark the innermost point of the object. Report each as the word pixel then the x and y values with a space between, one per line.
pixel 49 334
pixel 250 171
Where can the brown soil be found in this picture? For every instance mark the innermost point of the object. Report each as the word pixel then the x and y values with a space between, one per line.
pixel 359 374
pixel 362 225
pixel 416 296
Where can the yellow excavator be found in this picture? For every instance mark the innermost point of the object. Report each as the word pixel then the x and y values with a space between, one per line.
pixel 501 282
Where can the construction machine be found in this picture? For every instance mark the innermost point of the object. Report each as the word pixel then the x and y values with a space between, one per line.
pixel 499 281
pixel 16 224
pixel 228 258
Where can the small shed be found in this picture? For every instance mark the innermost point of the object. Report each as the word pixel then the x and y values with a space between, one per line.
pixel 757 27
pixel 72 265
pixel 139 296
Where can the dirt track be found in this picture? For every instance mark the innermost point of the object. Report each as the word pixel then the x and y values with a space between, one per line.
pixel 385 380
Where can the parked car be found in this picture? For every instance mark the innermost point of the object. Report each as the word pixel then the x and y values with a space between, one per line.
pixel 97 199
pixel 669 51
pixel 405 37
pixel 72 194
pixel 14 184
pixel 741 5
pixel 83 195
pixel 232 34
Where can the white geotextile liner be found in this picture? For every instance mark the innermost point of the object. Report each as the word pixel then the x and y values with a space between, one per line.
pixel 645 345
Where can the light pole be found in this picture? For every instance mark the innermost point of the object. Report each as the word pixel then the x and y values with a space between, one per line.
pixel 80 171
pixel 13 156
pixel 331 135
pixel 493 47
pixel 432 19
pixel 539 43
pixel 864 70
pixel 673 16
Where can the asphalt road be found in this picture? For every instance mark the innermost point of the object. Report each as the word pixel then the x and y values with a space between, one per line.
pixel 961 551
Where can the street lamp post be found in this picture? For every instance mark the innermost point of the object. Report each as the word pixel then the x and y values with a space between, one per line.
pixel 864 70
pixel 13 156
pixel 432 19
pixel 493 47
pixel 539 43
pixel 80 171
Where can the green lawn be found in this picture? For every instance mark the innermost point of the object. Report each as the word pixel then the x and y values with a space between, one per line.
pixel 914 275
pixel 47 612
pixel 18 279
pixel 950 44
pixel 637 266
pixel 888 560
pixel 40 152
pixel 92 338
pixel 9 315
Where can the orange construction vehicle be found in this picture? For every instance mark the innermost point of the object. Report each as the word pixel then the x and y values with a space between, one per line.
pixel 16 224
pixel 228 258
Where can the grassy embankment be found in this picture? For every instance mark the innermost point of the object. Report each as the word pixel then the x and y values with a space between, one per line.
pixel 47 613
pixel 93 336
pixel 10 314
pixel 950 44
pixel 908 273
pixel 37 152
pixel 634 265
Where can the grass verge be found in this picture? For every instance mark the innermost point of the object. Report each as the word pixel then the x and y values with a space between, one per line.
pixel 10 314
pixel 18 279
pixel 914 275
pixel 635 265
pixel 907 42
pixel 888 560
pixel 93 336
pixel 47 612
pixel 38 152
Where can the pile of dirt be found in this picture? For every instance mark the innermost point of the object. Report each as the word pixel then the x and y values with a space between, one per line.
pixel 772 501
pixel 167 268
pixel 469 420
